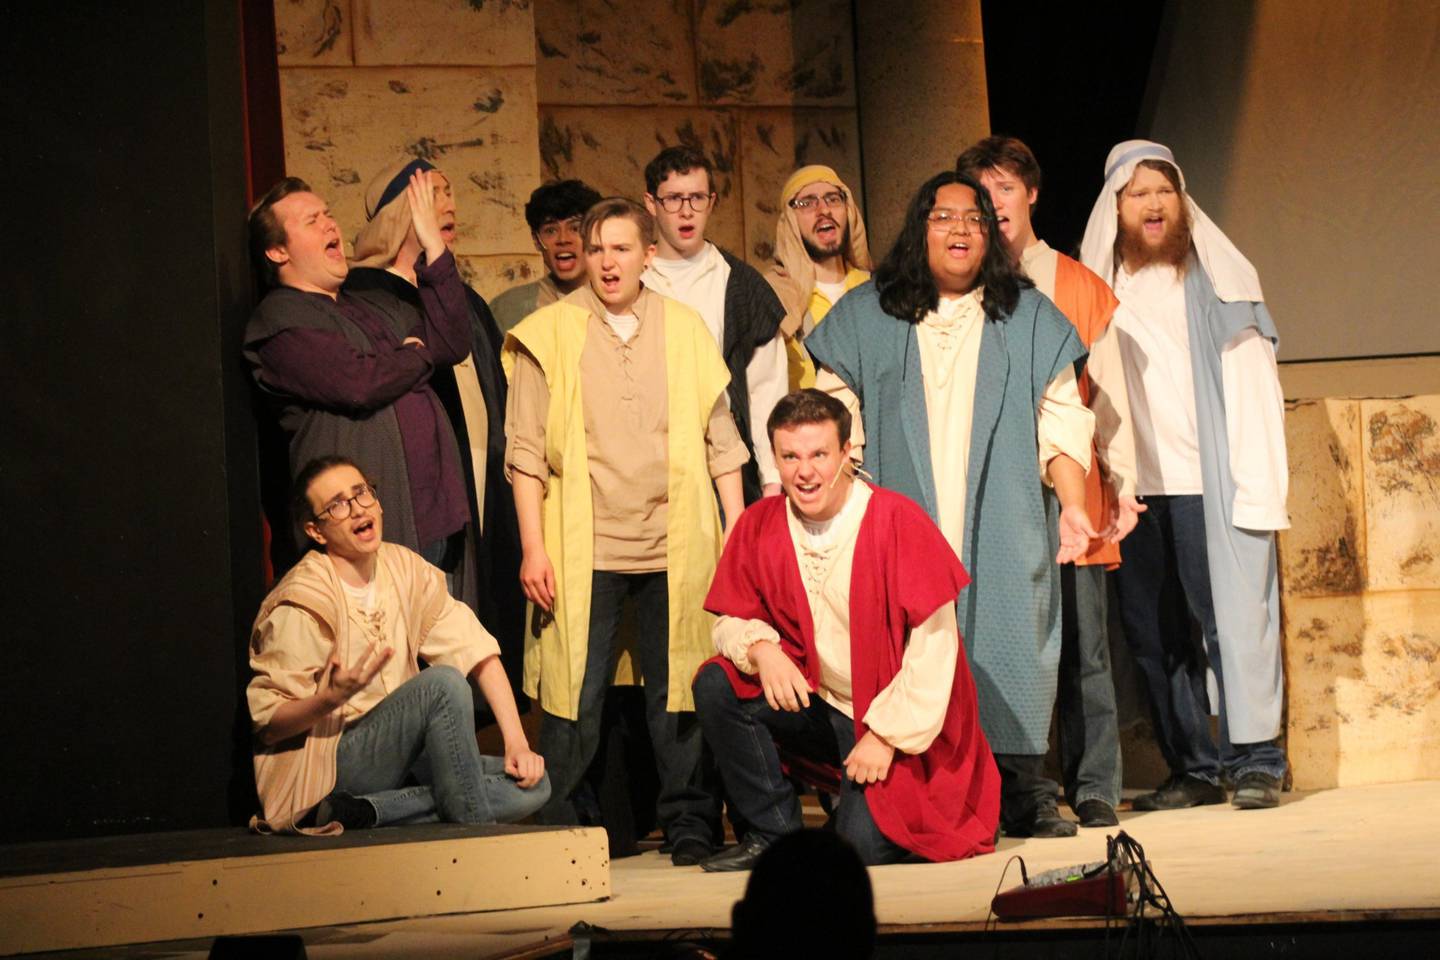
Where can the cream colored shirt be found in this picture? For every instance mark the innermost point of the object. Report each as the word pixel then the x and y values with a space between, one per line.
pixel 296 647
pixel 910 711
pixel 627 427
pixel 477 429
pixel 1109 397
pixel 699 282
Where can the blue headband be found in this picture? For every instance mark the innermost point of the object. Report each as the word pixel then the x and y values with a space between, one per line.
pixel 1152 151
pixel 402 180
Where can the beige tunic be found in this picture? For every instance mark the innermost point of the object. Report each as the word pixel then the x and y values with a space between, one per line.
pixel 910 711
pixel 626 431
pixel 293 647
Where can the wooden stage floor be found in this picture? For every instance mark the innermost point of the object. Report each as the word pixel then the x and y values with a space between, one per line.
pixel 1359 853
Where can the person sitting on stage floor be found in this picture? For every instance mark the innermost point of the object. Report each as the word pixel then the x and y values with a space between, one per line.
pixel 340 708
pixel 619 441
pixel 845 591
pixel 553 212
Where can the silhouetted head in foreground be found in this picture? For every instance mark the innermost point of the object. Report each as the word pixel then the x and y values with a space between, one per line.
pixel 809 895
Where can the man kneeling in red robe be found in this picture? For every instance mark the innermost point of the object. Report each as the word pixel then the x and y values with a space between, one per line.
pixel 838 643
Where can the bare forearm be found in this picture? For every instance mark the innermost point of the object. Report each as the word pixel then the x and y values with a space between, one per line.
pixel 732 496
pixel 495 686
pixel 1068 478
pixel 294 717
pixel 529 495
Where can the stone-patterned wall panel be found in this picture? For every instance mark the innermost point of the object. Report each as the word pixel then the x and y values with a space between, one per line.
pixel 608 148
pixel 449 32
pixel 1323 552
pixel 1364 688
pixel 773 143
pixel 608 52
pixel 312 33
pixel 342 126
pixel 491 276
pixel 1402 492
pixel 773 54
pixel 1324 657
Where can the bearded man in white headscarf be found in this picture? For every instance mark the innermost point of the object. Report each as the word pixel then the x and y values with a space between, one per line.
pixel 1199 352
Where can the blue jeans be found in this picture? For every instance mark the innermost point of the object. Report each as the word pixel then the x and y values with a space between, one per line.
pixel 742 734
pixel 427 728
pixel 686 808
pixel 1163 581
pixel 1085 694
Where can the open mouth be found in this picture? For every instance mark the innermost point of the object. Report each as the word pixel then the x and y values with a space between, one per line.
pixel 365 529
pixel 333 249
pixel 687 230
pixel 610 281
pixel 826 230
pixel 564 261
pixel 1153 225
pixel 959 249
pixel 447 230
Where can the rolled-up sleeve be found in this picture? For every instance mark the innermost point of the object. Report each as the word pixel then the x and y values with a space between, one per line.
pixel 526 410
pixel 910 711
pixel 1065 425
pixel 734 636
pixel 724 450
pixel 457 639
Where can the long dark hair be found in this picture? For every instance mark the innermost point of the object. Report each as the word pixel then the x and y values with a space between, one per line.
pixel 907 288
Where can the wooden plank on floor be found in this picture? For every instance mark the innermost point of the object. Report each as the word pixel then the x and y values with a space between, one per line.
pixel 318 885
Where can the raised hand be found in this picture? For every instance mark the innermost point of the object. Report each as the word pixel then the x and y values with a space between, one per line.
pixel 338 683
pixel 421 193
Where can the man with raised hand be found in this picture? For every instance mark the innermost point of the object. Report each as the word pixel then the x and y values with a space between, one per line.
pixel 342 713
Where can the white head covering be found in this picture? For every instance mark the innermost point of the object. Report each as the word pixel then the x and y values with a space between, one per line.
pixel 1233 277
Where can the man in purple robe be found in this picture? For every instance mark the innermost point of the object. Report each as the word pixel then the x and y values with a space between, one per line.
pixel 349 373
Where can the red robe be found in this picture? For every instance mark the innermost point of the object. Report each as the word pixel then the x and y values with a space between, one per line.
pixel 942 804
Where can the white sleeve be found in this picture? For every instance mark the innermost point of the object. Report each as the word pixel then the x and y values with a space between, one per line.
pixel 827 381
pixel 768 378
pixel 1110 402
pixel 1064 425
pixel 733 637
pixel 1255 422
pixel 910 711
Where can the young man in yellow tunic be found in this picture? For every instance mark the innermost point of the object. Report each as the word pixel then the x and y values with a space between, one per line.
pixel 619 438
pixel 820 254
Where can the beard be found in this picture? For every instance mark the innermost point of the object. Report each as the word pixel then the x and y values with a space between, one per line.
pixel 1172 250
pixel 818 252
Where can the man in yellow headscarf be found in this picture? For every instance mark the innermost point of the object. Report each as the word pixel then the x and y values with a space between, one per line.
pixel 820 253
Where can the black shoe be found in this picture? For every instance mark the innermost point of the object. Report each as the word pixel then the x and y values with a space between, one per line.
pixel 1096 813
pixel 742 856
pixel 688 851
pixel 1256 791
pixel 1179 793
pixel 1044 821
pixel 353 813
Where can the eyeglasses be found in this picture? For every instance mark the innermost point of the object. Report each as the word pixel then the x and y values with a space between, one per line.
pixel 828 200
pixel 340 509
pixel 964 222
pixel 550 232
pixel 672 202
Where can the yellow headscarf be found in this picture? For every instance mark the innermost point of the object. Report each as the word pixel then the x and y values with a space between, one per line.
pixel 792 262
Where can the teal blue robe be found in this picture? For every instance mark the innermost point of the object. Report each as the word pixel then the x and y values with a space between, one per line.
pixel 1010 614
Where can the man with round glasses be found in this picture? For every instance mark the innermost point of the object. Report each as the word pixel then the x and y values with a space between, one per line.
pixel 740 310
pixel 342 714
pixel 553 213
pixel 962 379
pixel 820 253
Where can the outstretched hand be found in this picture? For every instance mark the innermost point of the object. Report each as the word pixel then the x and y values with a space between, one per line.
pixel 1126 516
pixel 421 194
pixel 1076 532
pixel 338 683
